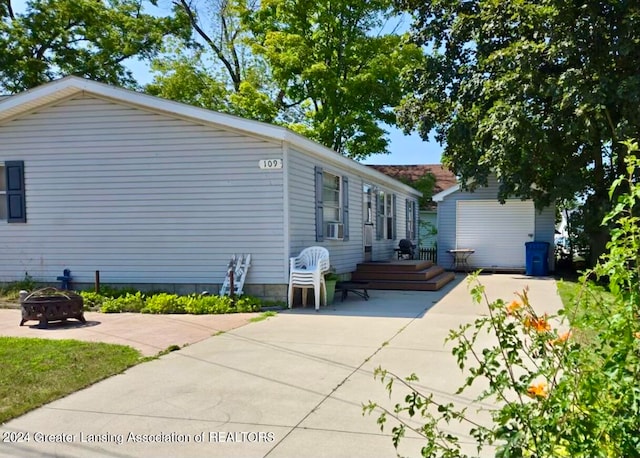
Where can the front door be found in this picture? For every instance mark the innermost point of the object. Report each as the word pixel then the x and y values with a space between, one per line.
pixel 367 219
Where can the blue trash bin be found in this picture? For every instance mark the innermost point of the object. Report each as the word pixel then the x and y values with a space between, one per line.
pixel 537 258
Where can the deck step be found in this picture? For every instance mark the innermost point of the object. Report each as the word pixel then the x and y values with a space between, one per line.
pixel 409 265
pixel 434 284
pixel 401 275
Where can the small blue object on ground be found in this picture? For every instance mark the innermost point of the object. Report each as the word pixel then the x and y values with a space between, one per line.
pixel 536 259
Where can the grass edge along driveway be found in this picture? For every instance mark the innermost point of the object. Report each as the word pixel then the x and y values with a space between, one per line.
pixel 38 371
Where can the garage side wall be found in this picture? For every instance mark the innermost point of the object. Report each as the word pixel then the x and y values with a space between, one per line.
pixel 544 222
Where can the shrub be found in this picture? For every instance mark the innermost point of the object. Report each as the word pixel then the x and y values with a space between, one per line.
pixel 111 291
pixel 92 300
pixel 204 305
pixel 248 304
pixel 163 303
pixel 127 303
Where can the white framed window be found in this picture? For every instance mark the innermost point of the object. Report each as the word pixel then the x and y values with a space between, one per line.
pixel 385 216
pixel 332 205
pixel 367 207
pixel 331 198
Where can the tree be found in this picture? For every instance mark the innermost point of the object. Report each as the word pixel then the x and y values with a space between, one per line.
pixel 538 92
pixel 88 38
pixel 214 66
pixel 332 61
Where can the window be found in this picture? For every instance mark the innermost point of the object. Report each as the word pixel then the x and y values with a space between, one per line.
pixel 331 198
pixel 411 219
pixel 332 205
pixel 12 192
pixel 385 216
pixel 367 207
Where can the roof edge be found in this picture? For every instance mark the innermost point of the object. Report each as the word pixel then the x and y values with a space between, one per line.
pixel 68 86
pixel 442 194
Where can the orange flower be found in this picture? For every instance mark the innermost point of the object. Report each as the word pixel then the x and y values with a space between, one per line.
pixel 513 307
pixel 538 390
pixel 561 338
pixel 540 324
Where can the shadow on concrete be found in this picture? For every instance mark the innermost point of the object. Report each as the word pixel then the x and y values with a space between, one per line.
pixel 62 325
pixel 382 303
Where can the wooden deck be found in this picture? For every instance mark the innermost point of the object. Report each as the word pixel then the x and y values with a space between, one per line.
pixel 408 275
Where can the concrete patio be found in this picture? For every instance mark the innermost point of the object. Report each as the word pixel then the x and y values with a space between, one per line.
pixel 289 386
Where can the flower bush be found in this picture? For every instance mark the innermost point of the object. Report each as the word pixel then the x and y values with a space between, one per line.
pixel 564 386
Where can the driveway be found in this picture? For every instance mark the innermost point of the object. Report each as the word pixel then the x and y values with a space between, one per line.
pixel 290 386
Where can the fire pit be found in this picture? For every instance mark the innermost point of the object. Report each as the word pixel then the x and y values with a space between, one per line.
pixel 51 304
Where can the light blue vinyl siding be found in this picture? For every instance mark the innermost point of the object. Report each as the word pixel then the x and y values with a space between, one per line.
pixel 345 255
pixel 140 196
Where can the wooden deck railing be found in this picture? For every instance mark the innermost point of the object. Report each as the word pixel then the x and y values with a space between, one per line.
pixel 428 254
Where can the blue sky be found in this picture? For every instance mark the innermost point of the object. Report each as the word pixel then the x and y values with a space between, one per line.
pixel 404 149
pixel 409 149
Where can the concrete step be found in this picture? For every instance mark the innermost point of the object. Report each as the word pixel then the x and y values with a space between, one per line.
pixel 433 284
pixel 409 265
pixel 419 275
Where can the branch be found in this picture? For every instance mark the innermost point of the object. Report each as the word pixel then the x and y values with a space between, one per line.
pixel 230 41
pixel 39 54
pixel 9 9
pixel 194 22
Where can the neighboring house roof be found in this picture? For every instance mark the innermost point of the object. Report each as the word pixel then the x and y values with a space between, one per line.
pixel 67 87
pixel 445 179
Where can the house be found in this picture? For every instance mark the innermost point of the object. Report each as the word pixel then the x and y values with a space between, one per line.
pixel 444 179
pixel 496 232
pixel 157 194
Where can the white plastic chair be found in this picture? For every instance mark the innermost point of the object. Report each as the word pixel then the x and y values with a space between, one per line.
pixel 307 271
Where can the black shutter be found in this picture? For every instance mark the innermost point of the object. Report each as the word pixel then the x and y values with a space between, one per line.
pixel 345 207
pixel 393 221
pixel 16 204
pixel 406 219
pixel 379 222
pixel 319 206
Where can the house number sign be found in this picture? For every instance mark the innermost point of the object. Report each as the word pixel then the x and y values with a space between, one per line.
pixel 270 164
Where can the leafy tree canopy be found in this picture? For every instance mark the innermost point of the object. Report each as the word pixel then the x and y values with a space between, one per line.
pixel 88 38
pixel 538 92
pixel 325 70
pixel 330 59
pixel 213 66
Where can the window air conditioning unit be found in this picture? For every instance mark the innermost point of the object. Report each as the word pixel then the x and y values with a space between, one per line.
pixel 335 231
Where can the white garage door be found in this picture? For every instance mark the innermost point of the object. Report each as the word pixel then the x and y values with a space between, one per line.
pixel 496 232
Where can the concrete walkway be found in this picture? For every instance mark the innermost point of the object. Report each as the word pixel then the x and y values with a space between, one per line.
pixel 289 386
pixel 150 334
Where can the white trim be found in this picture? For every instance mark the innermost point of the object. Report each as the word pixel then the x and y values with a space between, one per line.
pixel 286 213
pixel 69 86
pixel 442 194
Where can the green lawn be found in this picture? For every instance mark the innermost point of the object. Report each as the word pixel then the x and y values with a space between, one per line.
pixel 37 371
pixel 569 290
pixel 595 297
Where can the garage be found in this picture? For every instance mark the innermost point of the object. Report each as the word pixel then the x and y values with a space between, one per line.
pixel 497 232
